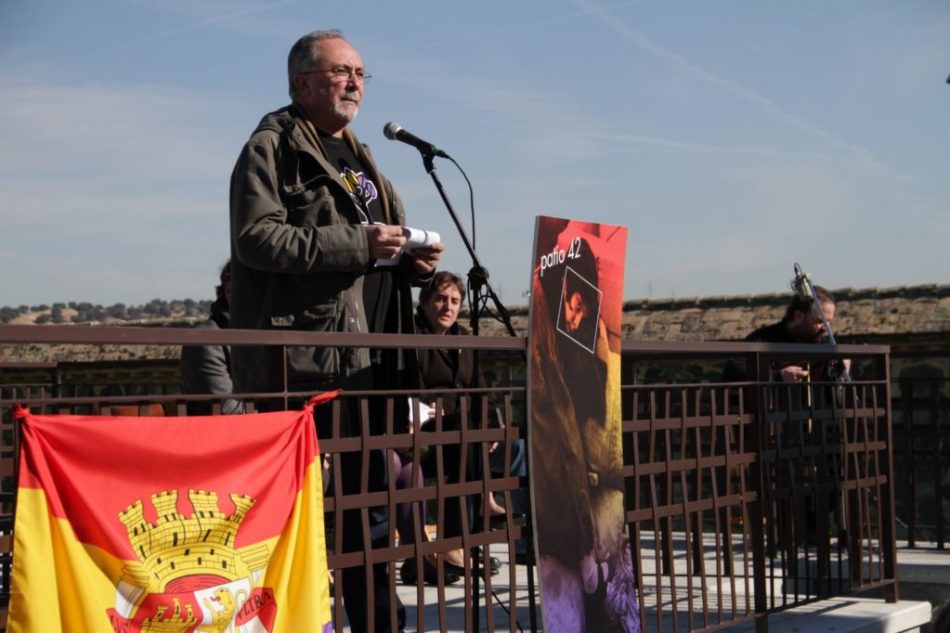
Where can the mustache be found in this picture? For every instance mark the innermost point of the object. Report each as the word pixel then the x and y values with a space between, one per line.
pixel 352 95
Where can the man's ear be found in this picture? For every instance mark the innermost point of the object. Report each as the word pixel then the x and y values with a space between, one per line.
pixel 301 87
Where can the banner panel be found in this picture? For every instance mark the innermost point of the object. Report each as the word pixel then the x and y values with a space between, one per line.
pixel 170 524
pixel 576 457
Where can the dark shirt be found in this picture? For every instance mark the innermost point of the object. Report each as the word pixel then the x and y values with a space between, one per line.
pixel 377 282
pixel 775 333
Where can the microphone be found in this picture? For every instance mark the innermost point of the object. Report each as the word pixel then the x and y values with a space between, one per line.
pixel 395 132
pixel 801 285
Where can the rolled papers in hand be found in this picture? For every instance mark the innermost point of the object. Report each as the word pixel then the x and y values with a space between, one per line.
pixel 419 238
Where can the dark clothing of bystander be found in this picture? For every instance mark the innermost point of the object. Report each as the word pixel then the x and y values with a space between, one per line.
pixel 206 369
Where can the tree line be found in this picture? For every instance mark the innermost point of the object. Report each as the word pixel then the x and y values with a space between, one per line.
pixel 87 312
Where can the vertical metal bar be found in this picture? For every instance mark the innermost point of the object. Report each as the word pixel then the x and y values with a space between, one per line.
pixel 8 567
pixel 889 532
pixel 693 537
pixel 743 477
pixel 756 508
pixel 529 538
pixel 659 532
pixel 907 413
pixel 879 490
pixel 284 377
pixel 635 529
pixel 57 381
pixel 667 503
pixel 937 464
pixel 337 516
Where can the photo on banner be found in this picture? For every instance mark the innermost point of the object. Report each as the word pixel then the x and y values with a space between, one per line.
pixel 574 434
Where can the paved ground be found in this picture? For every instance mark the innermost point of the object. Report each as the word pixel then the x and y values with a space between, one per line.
pixel 426 610
pixel 459 616
pixel 928 568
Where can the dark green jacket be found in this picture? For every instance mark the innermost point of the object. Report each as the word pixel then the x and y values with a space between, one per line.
pixel 299 254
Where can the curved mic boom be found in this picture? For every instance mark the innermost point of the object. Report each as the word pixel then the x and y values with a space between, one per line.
pixel 395 132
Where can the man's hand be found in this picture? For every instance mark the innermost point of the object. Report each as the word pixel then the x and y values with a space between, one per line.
pixel 426 259
pixel 385 240
pixel 794 373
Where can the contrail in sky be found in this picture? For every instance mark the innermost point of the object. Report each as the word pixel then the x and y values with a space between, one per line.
pixel 685 65
pixel 216 19
pixel 520 26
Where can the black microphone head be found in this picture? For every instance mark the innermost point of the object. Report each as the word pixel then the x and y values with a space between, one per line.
pixel 391 129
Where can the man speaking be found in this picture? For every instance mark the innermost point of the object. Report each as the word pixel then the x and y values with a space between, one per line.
pixel 317 245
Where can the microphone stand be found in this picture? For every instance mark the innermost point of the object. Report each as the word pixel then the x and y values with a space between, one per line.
pixel 479 288
pixel 478 274
pixel 802 285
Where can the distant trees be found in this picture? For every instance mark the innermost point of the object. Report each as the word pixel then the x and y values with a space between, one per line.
pixel 157 307
pixel 87 312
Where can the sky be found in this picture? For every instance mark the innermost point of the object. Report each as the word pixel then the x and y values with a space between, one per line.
pixel 733 139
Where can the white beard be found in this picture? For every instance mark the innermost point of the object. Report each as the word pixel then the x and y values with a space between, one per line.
pixel 346 110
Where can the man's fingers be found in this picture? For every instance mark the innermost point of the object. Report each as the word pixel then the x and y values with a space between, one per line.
pixel 430 254
pixel 385 241
pixel 385 234
pixel 434 250
pixel 423 266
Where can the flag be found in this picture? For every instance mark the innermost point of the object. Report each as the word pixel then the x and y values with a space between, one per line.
pixel 192 524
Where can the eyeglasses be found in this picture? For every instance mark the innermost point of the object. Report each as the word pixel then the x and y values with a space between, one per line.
pixel 342 73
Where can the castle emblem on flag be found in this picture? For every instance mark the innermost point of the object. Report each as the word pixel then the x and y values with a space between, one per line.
pixel 190 576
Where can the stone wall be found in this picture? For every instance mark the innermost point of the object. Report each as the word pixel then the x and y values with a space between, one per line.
pixel 908 316
pixel 877 314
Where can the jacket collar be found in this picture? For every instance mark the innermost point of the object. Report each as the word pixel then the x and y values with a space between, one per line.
pixel 291 120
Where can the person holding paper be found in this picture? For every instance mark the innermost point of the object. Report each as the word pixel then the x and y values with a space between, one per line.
pixel 311 218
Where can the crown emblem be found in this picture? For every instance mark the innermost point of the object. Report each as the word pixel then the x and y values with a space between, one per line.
pixel 189 573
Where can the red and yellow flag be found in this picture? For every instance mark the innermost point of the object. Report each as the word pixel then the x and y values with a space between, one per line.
pixel 192 524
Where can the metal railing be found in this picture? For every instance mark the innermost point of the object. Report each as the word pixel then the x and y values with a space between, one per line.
pixel 744 497
pixel 921 406
pixel 753 496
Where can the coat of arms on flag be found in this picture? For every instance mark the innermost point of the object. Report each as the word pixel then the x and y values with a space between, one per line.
pixel 192 524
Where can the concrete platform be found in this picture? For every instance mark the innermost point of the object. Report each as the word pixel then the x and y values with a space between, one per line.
pixel 849 615
pixel 924 574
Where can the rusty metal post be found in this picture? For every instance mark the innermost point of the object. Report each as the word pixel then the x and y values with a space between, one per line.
pixel 757 508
